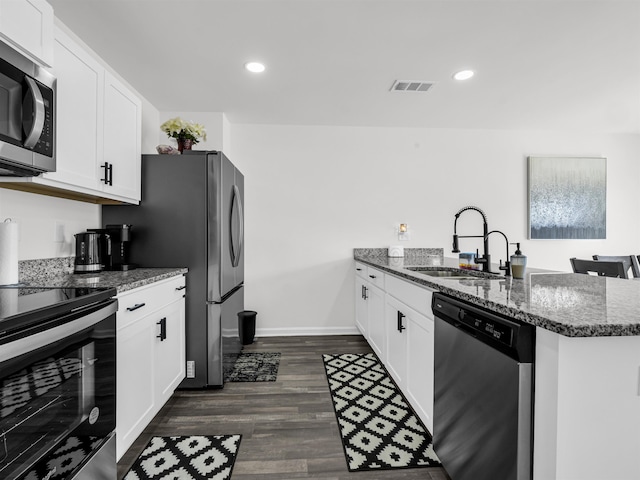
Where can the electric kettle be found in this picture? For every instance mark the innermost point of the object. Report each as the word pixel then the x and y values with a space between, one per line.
pixel 88 257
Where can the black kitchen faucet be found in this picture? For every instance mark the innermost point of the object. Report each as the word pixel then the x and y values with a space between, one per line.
pixel 507 264
pixel 486 258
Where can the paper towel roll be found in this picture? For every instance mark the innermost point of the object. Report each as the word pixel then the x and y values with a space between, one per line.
pixel 8 252
pixel 8 302
pixel 396 251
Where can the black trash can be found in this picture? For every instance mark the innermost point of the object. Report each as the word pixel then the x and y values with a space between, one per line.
pixel 247 326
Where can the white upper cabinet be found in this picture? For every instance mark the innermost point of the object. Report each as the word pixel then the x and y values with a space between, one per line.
pixel 122 139
pixel 27 25
pixel 98 132
pixel 99 127
pixel 79 114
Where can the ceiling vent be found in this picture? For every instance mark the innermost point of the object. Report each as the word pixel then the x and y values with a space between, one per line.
pixel 410 86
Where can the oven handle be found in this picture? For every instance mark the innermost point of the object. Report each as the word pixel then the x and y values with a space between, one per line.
pixel 38 340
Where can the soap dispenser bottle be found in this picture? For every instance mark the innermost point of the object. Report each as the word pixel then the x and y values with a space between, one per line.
pixel 518 263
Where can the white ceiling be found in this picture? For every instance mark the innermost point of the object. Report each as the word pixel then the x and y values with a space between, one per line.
pixel 541 64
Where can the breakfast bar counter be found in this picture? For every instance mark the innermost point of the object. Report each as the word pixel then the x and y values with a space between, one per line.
pixel 570 304
pixel 587 356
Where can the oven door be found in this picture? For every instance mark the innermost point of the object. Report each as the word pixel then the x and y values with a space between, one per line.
pixel 57 396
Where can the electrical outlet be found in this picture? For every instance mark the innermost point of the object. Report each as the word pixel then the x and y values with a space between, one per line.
pixel 191 369
pixel 58 232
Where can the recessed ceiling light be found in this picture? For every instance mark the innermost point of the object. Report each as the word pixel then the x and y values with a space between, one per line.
pixel 463 75
pixel 255 67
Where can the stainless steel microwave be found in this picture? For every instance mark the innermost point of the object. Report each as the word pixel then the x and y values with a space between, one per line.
pixel 27 116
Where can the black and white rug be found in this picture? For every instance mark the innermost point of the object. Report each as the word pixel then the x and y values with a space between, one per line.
pixel 253 367
pixel 186 458
pixel 379 429
pixel 17 390
pixel 60 463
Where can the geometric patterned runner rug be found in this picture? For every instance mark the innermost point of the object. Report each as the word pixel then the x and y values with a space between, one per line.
pixel 186 458
pixel 253 367
pixel 379 429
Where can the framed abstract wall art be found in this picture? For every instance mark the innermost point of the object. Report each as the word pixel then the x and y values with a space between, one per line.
pixel 567 197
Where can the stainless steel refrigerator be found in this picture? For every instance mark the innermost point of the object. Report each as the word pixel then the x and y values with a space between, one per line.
pixel 191 215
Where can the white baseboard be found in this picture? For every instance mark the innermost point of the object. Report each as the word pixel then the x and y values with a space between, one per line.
pixel 306 331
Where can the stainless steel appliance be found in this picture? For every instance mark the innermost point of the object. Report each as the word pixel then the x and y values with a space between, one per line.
pixel 89 247
pixel 191 215
pixel 57 383
pixel 483 392
pixel 27 116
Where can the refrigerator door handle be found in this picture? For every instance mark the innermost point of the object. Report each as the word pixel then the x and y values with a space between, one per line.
pixel 236 251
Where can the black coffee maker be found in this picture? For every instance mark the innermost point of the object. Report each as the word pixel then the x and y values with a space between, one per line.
pixel 115 248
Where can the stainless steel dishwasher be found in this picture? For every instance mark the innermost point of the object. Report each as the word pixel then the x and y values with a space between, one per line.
pixel 483 392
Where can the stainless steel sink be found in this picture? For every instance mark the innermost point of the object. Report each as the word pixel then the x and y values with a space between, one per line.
pixel 443 272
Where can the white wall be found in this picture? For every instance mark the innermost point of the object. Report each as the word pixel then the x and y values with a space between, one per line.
pixel 40 218
pixel 315 193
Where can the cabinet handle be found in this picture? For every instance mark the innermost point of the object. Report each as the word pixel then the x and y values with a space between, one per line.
pixel 365 292
pixel 163 329
pixel 108 173
pixel 358 269
pixel 136 306
pixel 181 288
pixel 372 276
pixel 400 317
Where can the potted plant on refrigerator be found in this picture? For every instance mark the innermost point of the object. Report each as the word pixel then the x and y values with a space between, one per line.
pixel 186 133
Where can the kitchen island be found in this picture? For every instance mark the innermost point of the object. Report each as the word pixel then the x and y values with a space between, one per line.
pixel 587 366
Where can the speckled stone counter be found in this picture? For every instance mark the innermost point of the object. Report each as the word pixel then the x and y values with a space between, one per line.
pixel 58 272
pixel 566 303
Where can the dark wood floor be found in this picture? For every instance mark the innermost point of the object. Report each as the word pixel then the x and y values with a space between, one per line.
pixel 288 427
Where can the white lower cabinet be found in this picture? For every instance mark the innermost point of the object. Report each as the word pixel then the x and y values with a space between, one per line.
pixel 134 382
pixel 419 375
pixel 150 354
pixel 169 350
pixel 400 330
pixel 362 315
pixel 375 317
pixel 370 306
pixel 396 337
pixel 410 355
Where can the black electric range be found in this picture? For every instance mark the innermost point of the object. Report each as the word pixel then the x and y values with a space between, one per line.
pixel 57 382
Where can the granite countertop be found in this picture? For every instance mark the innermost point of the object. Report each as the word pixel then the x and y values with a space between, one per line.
pixel 566 303
pixel 121 281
